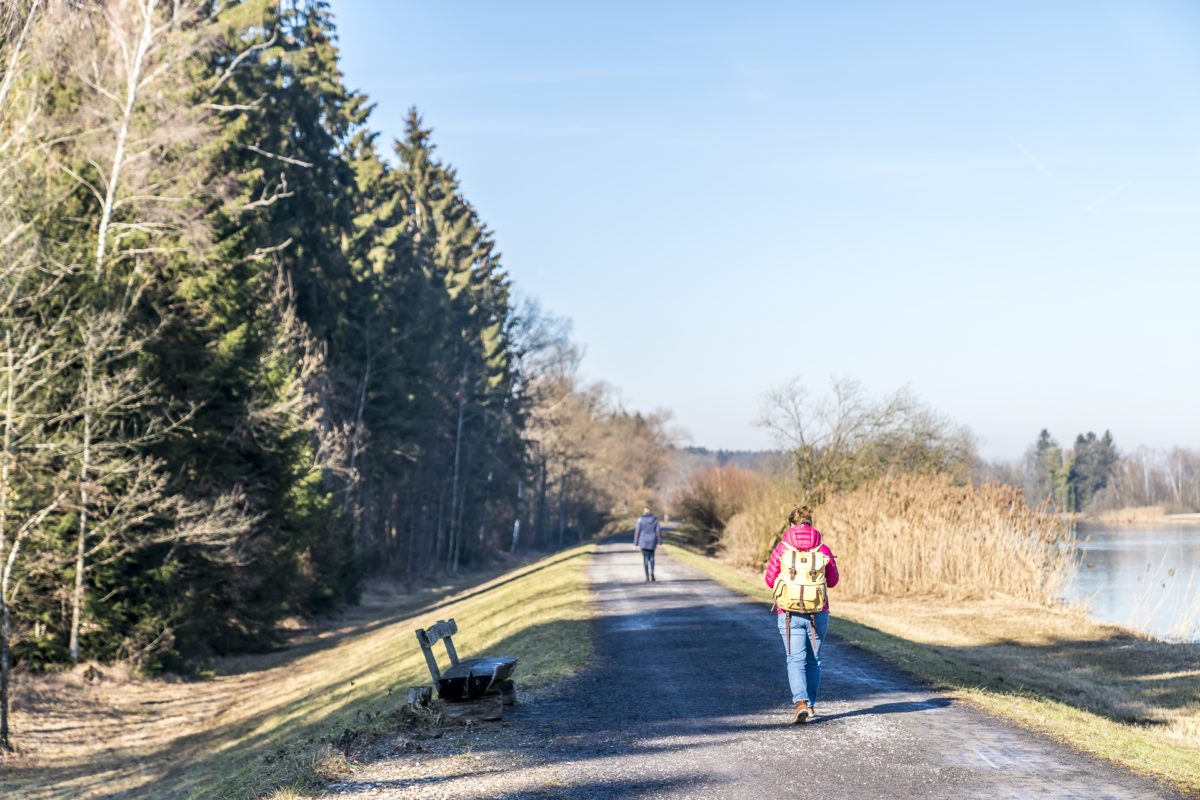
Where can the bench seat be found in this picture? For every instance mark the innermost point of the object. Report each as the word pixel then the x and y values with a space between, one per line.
pixel 474 677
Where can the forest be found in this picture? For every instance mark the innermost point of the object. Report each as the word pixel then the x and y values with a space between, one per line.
pixel 253 354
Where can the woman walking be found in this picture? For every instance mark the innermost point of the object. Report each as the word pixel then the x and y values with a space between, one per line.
pixel 647 535
pixel 802 633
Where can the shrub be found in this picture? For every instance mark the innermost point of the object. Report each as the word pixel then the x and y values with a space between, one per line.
pixel 752 533
pixel 712 497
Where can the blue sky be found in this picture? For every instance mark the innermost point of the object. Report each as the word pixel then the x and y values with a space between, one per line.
pixel 995 205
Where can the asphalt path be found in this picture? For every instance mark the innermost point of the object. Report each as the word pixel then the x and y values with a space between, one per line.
pixel 688 698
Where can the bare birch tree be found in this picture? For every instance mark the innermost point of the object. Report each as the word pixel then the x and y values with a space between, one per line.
pixel 136 144
pixel 30 358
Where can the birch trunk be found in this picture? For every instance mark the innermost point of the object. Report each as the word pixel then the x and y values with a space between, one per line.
pixel 84 475
pixel 5 458
pixel 6 85
pixel 132 85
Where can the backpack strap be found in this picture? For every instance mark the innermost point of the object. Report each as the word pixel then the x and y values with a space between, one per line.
pixel 787 627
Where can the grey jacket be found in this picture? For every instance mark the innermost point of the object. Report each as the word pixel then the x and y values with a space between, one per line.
pixel 647 534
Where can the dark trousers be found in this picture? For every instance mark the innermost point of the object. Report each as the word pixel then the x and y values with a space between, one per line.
pixel 648 561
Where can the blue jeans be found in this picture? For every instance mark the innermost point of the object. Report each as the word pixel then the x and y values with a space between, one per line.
pixel 804 665
pixel 648 562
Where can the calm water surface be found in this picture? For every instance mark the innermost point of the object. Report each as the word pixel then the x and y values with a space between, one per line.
pixel 1148 578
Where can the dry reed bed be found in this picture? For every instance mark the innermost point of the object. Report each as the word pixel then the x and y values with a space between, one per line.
pixel 907 535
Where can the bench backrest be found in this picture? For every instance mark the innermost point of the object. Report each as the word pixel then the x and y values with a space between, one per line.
pixel 442 631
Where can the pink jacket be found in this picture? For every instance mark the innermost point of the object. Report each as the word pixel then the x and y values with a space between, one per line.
pixel 802 537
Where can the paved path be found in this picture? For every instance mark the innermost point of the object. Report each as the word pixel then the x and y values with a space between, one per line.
pixel 689 699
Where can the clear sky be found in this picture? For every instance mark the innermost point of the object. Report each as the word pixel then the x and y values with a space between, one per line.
pixel 997 205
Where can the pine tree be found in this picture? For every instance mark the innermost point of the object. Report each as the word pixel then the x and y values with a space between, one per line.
pixel 259 423
pixel 1094 460
pixel 472 378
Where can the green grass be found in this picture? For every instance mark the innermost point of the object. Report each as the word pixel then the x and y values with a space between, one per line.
pixel 1052 672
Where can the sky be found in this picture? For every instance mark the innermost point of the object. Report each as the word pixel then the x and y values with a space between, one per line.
pixel 996 205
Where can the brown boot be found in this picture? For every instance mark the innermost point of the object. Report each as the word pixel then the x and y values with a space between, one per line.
pixel 801 713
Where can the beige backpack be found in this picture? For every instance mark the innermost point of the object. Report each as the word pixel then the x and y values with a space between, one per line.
pixel 801 588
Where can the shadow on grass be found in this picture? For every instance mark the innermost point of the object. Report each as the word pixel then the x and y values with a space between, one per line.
pixel 189 763
pixel 186 762
pixel 677 663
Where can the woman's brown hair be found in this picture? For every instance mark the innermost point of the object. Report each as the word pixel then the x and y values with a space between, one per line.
pixel 801 515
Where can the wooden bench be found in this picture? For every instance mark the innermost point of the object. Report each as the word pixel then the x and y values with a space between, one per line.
pixel 464 680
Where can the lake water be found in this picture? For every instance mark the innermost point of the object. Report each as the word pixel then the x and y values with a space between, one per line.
pixel 1146 578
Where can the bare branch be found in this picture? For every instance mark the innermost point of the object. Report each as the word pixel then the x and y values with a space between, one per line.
pixel 261 152
pixel 12 62
pixel 255 106
pixel 95 192
pixel 263 252
pixel 265 200
pixel 242 56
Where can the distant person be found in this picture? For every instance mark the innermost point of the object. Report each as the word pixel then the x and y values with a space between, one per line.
pixel 647 535
pixel 815 570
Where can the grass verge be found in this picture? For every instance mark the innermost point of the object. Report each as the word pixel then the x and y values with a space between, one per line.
pixel 1127 698
pixel 282 725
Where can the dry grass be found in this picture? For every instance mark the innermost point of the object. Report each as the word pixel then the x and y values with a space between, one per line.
pixel 281 724
pixel 1138 515
pixel 1129 698
pixel 919 535
pixel 1063 654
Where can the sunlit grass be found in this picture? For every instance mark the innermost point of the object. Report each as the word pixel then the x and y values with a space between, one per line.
pixel 281 725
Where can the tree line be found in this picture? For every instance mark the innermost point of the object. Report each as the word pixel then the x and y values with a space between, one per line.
pixel 1093 475
pixel 249 354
